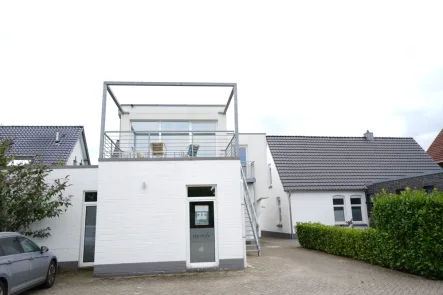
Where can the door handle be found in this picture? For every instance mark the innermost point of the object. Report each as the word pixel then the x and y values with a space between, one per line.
pixel 8 262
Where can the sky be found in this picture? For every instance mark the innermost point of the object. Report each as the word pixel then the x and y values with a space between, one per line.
pixel 321 68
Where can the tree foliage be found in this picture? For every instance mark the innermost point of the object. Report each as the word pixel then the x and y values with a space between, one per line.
pixel 26 196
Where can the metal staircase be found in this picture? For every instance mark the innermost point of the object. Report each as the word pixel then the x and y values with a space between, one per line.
pixel 251 222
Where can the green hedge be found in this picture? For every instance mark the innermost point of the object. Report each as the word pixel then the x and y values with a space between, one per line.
pixel 408 237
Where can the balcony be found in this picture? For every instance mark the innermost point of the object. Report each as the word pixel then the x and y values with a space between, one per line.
pixel 249 171
pixel 169 144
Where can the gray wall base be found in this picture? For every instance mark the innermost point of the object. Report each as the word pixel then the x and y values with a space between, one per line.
pixel 68 265
pixel 153 268
pixel 273 234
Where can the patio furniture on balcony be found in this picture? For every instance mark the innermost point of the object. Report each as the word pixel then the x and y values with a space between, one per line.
pixel 193 150
pixel 158 148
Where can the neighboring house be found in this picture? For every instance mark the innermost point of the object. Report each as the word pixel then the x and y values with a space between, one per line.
pixel 174 191
pixel 324 179
pixel 436 149
pixel 52 145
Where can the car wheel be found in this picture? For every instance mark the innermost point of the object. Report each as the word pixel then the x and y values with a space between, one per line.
pixel 50 276
pixel 3 290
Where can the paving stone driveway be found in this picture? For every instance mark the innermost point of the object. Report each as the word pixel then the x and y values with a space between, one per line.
pixel 284 268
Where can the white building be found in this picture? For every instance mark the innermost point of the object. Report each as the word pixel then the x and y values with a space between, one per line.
pixel 324 179
pixel 170 193
pixel 176 191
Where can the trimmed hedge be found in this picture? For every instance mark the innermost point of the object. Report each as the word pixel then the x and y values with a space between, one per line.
pixel 408 237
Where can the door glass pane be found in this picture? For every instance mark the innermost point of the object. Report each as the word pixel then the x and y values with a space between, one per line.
pixel 10 246
pixel 143 141
pixel 339 214
pixel 145 126
pixel 175 126
pixel 176 144
pixel 202 236
pixel 89 243
pixel 206 144
pixel 204 126
pixel 356 214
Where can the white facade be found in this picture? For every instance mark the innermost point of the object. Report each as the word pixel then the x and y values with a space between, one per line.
pixel 66 230
pixel 304 206
pixel 143 214
pixel 275 216
pixel 78 154
pixel 317 206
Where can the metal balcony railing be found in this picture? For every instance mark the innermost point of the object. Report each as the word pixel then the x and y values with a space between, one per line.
pixel 168 144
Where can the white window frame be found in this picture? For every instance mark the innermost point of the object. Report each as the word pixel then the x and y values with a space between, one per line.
pixel 341 197
pixel 361 208
pixel 82 237
pixel 189 200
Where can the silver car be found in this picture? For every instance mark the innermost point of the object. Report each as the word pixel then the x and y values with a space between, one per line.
pixel 24 265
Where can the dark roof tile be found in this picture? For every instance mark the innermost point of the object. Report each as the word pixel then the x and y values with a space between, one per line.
pixel 345 163
pixel 32 141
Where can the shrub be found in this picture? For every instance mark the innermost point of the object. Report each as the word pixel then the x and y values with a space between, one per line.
pixel 348 242
pixel 408 237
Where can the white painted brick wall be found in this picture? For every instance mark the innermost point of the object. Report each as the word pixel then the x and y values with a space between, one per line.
pixel 149 225
pixel 316 206
pixel 66 229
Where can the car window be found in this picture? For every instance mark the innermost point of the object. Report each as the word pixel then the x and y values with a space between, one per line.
pixel 10 246
pixel 28 245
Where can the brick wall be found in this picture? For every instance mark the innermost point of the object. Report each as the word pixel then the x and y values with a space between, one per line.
pixel 418 182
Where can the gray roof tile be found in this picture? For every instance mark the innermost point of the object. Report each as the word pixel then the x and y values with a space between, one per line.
pixel 345 163
pixel 39 141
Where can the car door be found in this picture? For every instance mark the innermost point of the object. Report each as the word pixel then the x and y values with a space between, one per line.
pixel 39 260
pixel 16 263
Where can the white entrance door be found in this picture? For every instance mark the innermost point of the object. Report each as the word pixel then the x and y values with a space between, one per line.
pixel 87 251
pixel 202 228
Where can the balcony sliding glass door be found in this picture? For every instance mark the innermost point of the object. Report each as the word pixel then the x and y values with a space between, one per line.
pixel 178 138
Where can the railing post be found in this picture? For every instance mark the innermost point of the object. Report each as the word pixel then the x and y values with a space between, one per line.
pixel 192 144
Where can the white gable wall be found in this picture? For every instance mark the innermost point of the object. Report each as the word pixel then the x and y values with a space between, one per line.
pixel 78 152
pixel 269 218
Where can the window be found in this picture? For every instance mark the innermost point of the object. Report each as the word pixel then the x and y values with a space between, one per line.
pixel 201 191
pixel 90 196
pixel 243 162
pixel 356 208
pixel 28 245
pixel 338 203
pixel 270 176
pixel 279 212
pixel 429 189
pixel 10 246
pixel 176 135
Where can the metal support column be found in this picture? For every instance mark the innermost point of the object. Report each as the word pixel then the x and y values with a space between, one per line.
pixel 237 147
pixel 102 128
